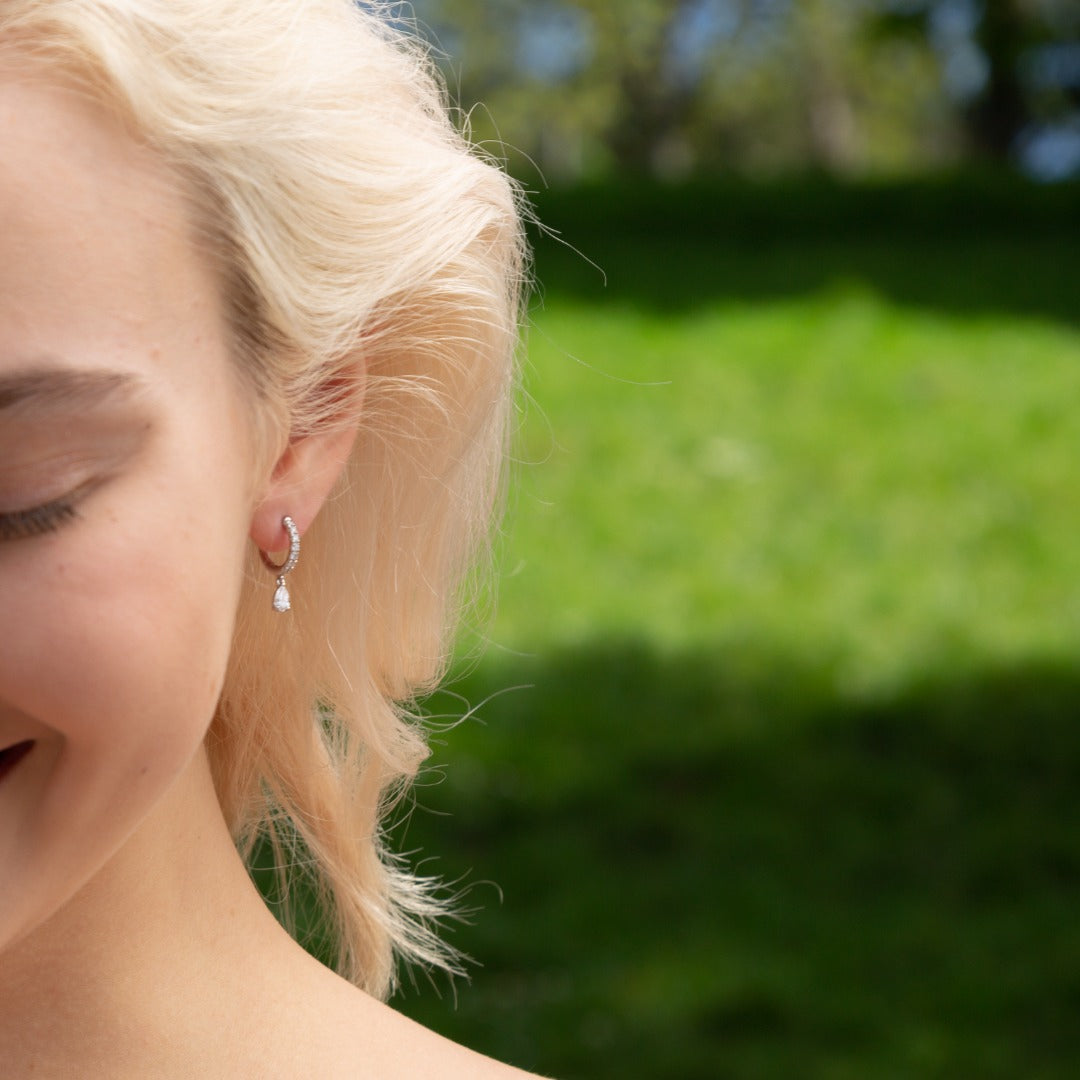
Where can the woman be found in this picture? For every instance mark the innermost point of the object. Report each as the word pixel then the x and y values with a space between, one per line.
pixel 258 307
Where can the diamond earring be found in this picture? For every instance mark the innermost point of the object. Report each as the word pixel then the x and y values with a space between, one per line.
pixel 282 600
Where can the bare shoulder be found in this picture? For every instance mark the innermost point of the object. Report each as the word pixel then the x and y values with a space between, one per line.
pixel 363 1038
pixel 438 1056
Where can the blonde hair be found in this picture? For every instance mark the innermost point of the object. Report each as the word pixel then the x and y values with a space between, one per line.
pixel 364 247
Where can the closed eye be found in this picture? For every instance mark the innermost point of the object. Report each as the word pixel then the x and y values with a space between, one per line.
pixel 38 520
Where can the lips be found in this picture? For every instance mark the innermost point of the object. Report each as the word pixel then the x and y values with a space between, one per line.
pixel 12 755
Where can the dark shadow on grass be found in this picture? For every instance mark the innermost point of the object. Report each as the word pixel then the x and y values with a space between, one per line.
pixel 970 245
pixel 721 865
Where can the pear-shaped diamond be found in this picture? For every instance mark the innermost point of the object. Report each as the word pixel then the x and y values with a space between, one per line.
pixel 282 600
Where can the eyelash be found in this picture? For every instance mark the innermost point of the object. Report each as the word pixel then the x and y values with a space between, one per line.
pixel 38 520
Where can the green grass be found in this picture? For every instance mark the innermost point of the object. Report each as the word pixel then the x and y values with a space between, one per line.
pixel 835 472
pixel 777 760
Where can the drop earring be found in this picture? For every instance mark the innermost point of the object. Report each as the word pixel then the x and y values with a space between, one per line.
pixel 282 601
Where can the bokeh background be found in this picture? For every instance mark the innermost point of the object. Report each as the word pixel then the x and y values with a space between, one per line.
pixel 771 763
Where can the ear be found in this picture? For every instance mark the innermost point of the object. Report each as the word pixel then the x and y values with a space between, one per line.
pixel 299 484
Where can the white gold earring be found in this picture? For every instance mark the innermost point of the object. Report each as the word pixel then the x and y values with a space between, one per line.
pixel 282 600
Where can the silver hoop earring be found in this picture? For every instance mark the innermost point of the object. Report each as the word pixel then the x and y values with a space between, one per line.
pixel 282 600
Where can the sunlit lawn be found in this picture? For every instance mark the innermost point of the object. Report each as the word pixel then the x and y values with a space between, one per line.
pixel 780 771
pixel 833 474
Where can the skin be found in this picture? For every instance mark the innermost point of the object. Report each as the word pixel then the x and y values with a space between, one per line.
pixel 131 940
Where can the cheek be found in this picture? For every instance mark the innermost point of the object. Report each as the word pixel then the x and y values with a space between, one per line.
pixel 124 637
pixel 124 629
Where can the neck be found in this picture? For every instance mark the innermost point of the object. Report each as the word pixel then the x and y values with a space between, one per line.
pixel 165 941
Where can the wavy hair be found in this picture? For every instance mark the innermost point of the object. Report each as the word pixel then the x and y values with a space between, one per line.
pixel 367 253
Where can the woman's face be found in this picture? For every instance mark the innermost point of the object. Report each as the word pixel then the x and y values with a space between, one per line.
pixel 124 493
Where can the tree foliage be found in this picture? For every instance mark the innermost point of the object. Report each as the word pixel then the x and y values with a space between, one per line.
pixel 671 87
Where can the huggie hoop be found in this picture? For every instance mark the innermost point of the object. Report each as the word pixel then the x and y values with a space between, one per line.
pixel 282 602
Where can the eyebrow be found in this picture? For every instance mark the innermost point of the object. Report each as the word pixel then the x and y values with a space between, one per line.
pixel 57 390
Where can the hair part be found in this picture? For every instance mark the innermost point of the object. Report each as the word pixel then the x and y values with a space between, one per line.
pixel 367 252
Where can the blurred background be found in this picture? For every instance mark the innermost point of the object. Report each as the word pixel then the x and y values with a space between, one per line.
pixel 772 763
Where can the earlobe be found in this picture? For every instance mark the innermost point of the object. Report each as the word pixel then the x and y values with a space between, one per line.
pixel 302 479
